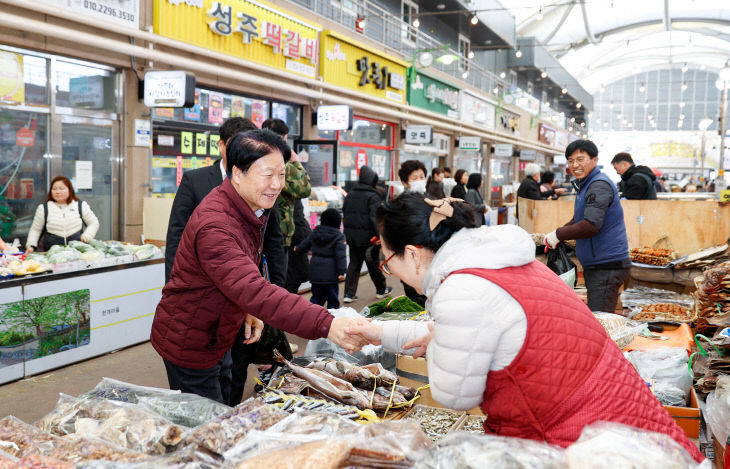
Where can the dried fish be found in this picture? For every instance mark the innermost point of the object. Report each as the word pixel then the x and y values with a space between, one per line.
pixel 434 422
pixel 327 384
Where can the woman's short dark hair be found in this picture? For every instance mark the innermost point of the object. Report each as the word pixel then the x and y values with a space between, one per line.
pixel 243 149
pixel 405 220
pixel 475 180
pixel 547 177
pixel 407 167
pixel 458 175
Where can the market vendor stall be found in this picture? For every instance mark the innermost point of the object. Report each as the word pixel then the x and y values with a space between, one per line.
pixel 75 309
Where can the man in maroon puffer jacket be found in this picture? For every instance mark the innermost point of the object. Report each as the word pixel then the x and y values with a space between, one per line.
pixel 215 282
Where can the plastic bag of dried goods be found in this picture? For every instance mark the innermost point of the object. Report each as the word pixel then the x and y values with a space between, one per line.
pixel 389 444
pixel 115 390
pixel 222 433
pixel 667 366
pixel 321 454
pixel 461 450
pixel 17 437
pixel 187 410
pixel 718 409
pixel 622 331
pixel 605 445
pixel 120 423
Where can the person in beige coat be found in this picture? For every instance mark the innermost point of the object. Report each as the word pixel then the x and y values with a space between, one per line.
pixel 61 218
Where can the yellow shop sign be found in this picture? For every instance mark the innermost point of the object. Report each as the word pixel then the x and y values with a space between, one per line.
pixel 349 64
pixel 250 29
pixel 12 81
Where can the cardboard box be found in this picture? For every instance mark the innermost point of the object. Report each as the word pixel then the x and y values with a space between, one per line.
pixel 413 372
pixel 688 418
pixel 722 455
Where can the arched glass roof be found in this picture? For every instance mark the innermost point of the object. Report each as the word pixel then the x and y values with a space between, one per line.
pixel 602 41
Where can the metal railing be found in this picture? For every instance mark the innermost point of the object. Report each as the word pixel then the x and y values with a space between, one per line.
pixel 385 28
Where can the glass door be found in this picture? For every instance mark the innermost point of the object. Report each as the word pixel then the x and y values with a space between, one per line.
pixel 319 159
pixel 87 157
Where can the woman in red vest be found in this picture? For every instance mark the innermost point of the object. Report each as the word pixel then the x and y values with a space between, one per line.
pixel 508 334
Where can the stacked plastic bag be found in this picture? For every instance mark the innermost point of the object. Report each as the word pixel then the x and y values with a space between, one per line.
pixel 667 367
pixel 122 426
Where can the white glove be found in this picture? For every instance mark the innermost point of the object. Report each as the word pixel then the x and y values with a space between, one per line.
pixel 551 240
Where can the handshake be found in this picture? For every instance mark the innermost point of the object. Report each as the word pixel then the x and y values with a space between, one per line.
pixel 353 333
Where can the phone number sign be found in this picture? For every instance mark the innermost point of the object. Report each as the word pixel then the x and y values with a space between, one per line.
pixel 122 12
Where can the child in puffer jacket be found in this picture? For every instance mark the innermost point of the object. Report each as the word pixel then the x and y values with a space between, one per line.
pixel 329 261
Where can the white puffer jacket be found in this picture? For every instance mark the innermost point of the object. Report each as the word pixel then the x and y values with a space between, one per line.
pixel 63 220
pixel 478 327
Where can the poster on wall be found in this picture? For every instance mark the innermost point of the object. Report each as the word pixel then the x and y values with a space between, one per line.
pixel 193 113
pixel 215 108
pixel 258 112
pixel 379 166
pixel 12 79
pixel 238 106
pixel 84 174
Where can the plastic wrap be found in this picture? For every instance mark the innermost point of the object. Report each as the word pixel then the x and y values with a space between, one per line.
pixel 188 410
pixel 63 255
pixel 119 423
pixel 640 296
pixel 667 366
pixel 606 445
pixel 187 458
pixel 622 331
pixel 18 437
pixel 393 444
pixel 80 246
pixel 38 461
pixel 718 409
pixel 115 390
pixel 7 461
pixel 434 421
pixel 224 432
pixel 312 455
pixel 147 251
pixel 460 450
pixel 75 450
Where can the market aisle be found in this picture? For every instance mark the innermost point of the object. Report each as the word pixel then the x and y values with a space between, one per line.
pixel 31 398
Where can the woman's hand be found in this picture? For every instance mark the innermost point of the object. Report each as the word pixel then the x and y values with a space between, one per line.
pixel 422 342
pixel 252 329
pixel 370 331
pixel 352 342
pixel 29 250
pixel 85 238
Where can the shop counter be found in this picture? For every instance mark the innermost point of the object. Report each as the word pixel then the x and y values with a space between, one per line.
pixel 52 320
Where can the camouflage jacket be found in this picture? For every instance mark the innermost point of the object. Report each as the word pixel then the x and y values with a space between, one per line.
pixel 297 186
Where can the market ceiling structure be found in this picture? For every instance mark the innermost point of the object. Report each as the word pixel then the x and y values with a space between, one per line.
pixel 602 41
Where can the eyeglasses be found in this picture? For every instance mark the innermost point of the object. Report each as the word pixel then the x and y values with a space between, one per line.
pixel 579 160
pixel 384 265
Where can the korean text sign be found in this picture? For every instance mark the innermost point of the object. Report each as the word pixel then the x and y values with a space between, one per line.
pixel 256 31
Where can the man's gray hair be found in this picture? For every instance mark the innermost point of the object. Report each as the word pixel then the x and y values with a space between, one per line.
pixel 531 169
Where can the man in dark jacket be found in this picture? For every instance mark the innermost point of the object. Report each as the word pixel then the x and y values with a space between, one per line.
pixel 216 284
pixel 329 259
pixel 358 212
pixel 530 186
pixel 598 227
pixel 637 182
pixel 194 186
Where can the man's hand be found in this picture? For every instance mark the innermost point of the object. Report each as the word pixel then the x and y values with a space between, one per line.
pixel 252 329
pixel 340 277
pixel 561 190
pixel 422 342
pixel 551 240
pixel 350 342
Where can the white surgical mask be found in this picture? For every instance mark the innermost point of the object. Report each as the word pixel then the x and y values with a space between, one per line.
pixel 418 186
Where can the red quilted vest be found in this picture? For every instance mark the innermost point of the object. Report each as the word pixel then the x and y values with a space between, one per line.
pixel 568 373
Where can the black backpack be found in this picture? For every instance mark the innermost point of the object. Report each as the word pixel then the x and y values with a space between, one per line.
pixel 45 218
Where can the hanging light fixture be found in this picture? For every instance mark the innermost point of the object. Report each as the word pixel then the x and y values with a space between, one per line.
pixel 543 74
pixel 518 53
pixel 564 90
pixel 471 54
pixel 578 105
pixel 684 86
pixel 465 74
pixel 646 105
pixel 495 91
pixel 416 23
pixel 642 88
pixel 681 105
pixel 539 15
pixel 474 20
pixel 685 68
pixel 502 75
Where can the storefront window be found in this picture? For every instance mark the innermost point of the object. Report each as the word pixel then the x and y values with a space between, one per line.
pixel 501 169
pixel 289 114
pixel 369 133
pixel 471 161
pixel 86 87
pixel 22 170
pixel 22 78
pixel 214 107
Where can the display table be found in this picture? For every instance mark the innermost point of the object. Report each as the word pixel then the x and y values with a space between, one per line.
pixel 52 320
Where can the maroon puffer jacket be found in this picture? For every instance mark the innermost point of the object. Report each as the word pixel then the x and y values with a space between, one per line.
pixel 215 281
